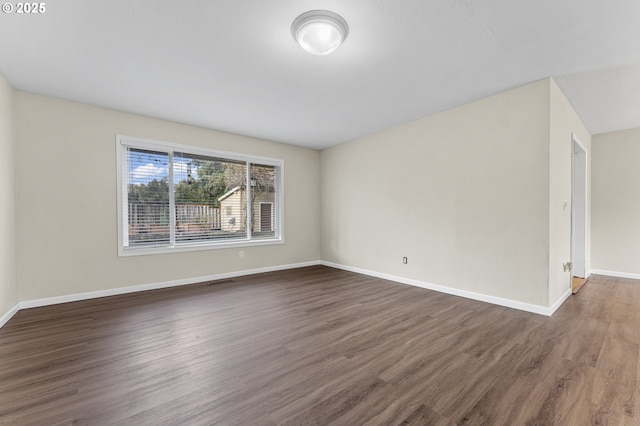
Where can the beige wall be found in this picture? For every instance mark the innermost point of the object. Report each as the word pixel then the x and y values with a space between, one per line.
pixel 616 202
pixel 66 199
pixel 472 196
pixel 8 289
pixel 563 123
pixel 464 194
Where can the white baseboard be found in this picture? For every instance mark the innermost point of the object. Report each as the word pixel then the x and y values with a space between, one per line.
pixel 537 309
pixel 616 274
pixel 143 287
pixel 514 304
pixel 559 302
pixel 7 316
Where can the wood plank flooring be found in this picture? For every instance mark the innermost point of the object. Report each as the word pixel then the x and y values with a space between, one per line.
pixel 316 346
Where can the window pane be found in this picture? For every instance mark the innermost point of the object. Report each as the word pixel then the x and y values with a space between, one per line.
pixel 184 200
pixel 148 197
pixel 263 201
pixel 210 198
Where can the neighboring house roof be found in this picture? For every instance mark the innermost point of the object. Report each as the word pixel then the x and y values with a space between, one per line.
pixel 228 194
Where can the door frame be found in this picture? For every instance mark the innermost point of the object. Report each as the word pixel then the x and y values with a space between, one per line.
pixel 579 230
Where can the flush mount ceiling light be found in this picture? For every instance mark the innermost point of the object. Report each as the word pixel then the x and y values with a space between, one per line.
pixel 319 31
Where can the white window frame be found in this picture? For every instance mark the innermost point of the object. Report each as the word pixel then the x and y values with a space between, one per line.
pixel 123 142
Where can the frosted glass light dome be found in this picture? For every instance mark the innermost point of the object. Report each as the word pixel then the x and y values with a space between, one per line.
pixel 319 32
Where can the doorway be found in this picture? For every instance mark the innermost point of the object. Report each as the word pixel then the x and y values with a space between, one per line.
pixel 578 214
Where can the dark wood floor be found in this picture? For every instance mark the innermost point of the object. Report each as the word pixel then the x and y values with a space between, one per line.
pixel 317 346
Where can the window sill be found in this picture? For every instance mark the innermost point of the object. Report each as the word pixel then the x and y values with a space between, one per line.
pixel 179 248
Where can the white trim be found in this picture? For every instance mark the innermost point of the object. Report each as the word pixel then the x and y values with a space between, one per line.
pixel 186 247
pixel 228 193
pixel 279 207
pixel 162 146
pixel 616 274
pixel 248 197
pixel 9 314
pixel 172 205
pixel 154 286
pixel 514 304
pixel 35 303
pixel 574 139
pixel 122 182
pixel 536 309
pixel 559 302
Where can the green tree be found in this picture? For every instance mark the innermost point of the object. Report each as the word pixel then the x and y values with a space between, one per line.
pixel 211 176
pixel 211 180
pixel 155 192
pixel 190 192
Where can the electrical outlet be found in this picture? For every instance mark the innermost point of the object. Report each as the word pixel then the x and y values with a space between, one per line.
pixel 566 266
pixel 241 254
pixel 404 260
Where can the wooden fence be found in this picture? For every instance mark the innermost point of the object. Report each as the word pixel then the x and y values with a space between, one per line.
pixel 197 214
pixel 154 218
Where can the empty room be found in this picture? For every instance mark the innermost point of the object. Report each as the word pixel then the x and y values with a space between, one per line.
pixel 320 212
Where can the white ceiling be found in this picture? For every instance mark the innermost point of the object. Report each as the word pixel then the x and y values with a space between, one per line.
pixel 232 64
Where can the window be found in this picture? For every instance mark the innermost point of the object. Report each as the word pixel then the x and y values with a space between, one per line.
pixel 174 198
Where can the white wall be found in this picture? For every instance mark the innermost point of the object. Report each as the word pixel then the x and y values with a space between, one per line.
pixel 616 202
pixel 563 123
pixel 464 194
pixel 8 289
pixel 66 201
